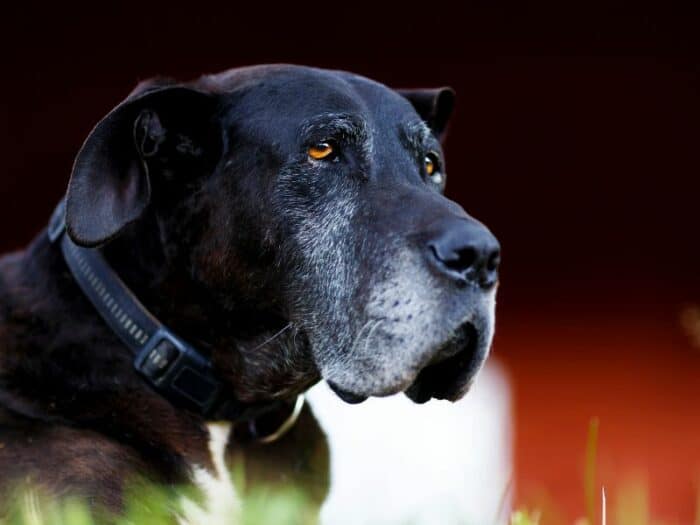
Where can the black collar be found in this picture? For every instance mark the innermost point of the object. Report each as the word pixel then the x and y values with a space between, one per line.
pixel 174 368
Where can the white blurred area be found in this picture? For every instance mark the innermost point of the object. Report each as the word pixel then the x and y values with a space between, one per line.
pixel 394 462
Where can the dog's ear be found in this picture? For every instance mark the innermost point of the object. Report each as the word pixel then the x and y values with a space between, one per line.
pixel 433 105
pixel 110 186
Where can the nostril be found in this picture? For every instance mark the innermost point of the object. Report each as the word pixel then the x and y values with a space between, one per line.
pixel 465 252
pixel 461 259
pixel 494 261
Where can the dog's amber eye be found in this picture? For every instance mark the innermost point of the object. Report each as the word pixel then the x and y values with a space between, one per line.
pixel 321 150
pixel 429 165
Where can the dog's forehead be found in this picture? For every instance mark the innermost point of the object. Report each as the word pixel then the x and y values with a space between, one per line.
pixel 291 95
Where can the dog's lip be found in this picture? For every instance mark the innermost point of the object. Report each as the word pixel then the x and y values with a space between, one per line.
pixel 345 395
pixel 447 376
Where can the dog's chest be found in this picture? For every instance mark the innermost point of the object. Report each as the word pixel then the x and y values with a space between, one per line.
pixel 220 504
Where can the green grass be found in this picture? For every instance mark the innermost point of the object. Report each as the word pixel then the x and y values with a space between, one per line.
pixel 153 505
pixel 155 508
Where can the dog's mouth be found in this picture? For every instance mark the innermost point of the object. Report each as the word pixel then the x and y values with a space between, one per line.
pixel 347 396
pixel 447 376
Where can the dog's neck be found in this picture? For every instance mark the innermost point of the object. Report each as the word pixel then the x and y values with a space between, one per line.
pixel 62 363
pixel 61 367
pixel 258 353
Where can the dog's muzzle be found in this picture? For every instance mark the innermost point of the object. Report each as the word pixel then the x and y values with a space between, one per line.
pixel 448 375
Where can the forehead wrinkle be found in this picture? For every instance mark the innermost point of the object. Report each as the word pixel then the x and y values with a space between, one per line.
pixel 416 134
pixel 350 127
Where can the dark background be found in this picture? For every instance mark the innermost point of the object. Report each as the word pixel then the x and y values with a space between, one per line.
pixel 575 136
pixel 575 139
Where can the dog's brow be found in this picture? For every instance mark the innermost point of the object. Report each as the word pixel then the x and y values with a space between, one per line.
pixel 416 134
pixel 349 127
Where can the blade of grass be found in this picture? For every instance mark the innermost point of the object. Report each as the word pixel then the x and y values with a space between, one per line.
pixel 603 508
pixel 589 483
pixel 632 505
pixel 522 517
pixel 502 502
pixel 697 507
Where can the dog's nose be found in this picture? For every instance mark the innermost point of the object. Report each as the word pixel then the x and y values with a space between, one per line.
pixel 466 251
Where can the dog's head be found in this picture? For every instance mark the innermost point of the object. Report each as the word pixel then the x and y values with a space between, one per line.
pixel 312 198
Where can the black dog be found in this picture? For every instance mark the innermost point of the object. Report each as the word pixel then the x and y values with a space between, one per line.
pixel 289 224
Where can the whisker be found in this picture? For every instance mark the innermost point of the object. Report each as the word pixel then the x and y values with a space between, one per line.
pixel 268 341
pixel 358 338
pixel 371 331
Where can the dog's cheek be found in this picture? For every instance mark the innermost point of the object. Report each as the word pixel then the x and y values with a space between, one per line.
pixel 319 255
pixel 229 254
pixel 397 331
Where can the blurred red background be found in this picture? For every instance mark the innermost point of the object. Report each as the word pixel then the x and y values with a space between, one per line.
pixel 575 139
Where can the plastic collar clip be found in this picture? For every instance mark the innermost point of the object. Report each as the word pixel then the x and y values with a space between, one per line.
pixel 178 372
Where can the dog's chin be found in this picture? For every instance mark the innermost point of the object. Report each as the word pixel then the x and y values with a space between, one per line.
pixel 346 395
pixel 448 375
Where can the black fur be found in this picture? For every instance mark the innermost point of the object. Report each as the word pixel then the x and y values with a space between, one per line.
pixel 203 198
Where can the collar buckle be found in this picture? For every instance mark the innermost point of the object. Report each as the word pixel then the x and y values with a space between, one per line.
pixel 177 371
